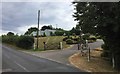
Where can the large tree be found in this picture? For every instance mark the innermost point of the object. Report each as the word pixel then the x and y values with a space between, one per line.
pixel 10 34
pixel 47 27
pixel 104 19
pixel 30 30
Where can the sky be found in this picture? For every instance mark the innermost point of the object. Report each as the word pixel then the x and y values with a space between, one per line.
pixel 17 17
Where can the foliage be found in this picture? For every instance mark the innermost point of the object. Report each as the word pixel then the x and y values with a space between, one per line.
pixel 25 42
pixel 92 38
pixel 10 34
pixel 10 39
pixel 86 36
pixel 47 27
pixel 44 35
pixel 67 33
pixel 69 41
pixel 64 39
pixel 103 19
pixel 75 31
pixel 106 52
pixel 59 33
pixel 30 30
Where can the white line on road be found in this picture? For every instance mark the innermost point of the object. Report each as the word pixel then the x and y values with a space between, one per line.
pixel 22 66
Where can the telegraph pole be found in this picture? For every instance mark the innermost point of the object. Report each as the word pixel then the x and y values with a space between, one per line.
pixel 38 29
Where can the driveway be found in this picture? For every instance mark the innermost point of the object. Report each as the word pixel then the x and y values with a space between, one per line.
pixel 62 56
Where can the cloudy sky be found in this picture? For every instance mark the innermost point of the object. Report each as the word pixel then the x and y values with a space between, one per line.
pixel 17 17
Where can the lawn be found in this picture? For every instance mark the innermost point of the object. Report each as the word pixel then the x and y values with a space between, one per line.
pixel 52 42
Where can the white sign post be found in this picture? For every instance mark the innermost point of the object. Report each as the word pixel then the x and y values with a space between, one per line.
pixel 60 45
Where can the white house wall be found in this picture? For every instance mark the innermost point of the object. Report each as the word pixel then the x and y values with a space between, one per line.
pixel 47 32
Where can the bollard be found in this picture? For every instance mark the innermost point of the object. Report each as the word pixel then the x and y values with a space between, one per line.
pixel 34 46
pixel 78 46
pixel 113 61
pixel 88 54
pixel 60 45
pixel 44 45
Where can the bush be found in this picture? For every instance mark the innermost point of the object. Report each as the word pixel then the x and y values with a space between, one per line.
pixel 9 39
pixel 59 33
pixel 69 41
pixel 86 36
pixel 105 51
pixel 99 37
pixel 92 38
pixel 68 37
pixel 25 42
pixel 75 39
pixel 64 39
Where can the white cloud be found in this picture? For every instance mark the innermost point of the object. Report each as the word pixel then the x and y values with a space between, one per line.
pixel 18 16
pixel 37 0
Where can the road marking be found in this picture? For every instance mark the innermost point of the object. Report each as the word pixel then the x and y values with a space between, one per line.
pixel 21 66
pixel 6 70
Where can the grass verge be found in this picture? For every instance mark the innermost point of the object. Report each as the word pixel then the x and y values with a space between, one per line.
pixel 96 64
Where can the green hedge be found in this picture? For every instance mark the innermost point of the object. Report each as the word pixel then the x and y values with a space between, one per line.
pixel 69 41
pixel 9 39
pixel 25 42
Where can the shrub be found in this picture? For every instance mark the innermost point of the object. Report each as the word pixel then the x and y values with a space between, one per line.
pixel 64 39
pixel 86 36
pixel 93 38
pixel 69 41
pixel 105 51
pixel 75 39
pixel 59 33
pixel 68 37
pixel 9 39
pixel 99 37
pixel 25 42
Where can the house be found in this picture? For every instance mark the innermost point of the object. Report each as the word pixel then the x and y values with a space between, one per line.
pixel 46 32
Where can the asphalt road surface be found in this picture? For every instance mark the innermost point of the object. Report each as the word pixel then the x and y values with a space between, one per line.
pixel 16 61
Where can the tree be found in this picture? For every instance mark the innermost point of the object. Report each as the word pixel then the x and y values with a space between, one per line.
pixel 103 19
pixel 30 30
pixel 59 33
pixel 10 34
pixel 47 27
pixel 75 30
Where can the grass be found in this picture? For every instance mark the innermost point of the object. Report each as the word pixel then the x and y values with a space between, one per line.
pixel 96 64
pixel 52 42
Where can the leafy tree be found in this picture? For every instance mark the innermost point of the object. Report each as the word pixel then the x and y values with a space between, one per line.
pixel 47 27
pixel 68 33
pixel 103 19
pixel 59 33
pixel 30 30
pixel 76 31
pixel 10 34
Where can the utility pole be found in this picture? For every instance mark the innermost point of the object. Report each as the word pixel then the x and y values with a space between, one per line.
pixel 56 26
pixel 38 29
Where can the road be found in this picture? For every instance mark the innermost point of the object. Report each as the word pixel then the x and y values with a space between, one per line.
pixel 16 61
pixel 48 61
